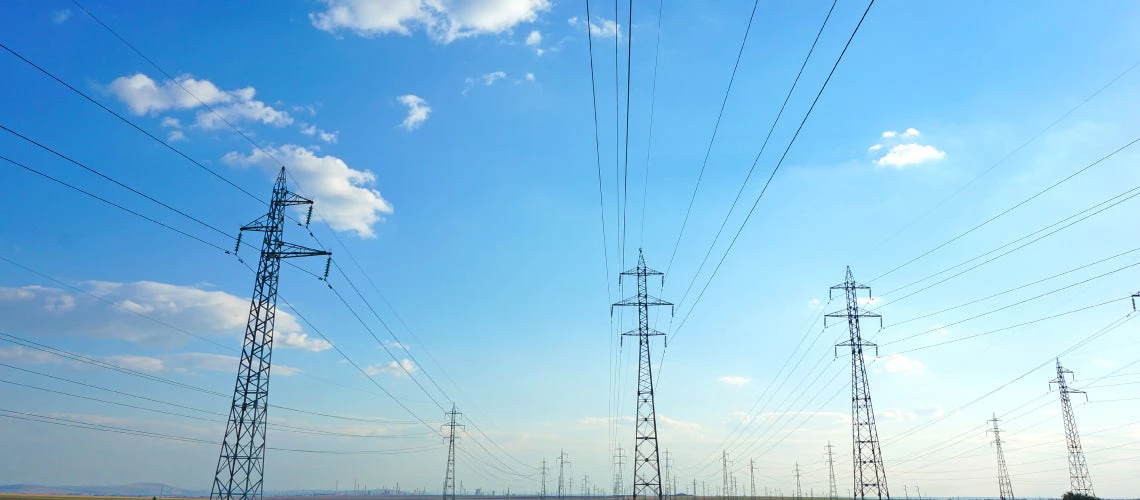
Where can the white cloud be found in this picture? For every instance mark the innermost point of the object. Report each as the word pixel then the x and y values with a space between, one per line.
pixel 605 28
pixel 905 155
pixel 814 302
pixel 344 196
pixel 491 78
pixel 443 20
pixel 902 365
pixel 911 132
pixel 60 16
pixel 145 96
pixel 418 111
pixel 145 364
pixel 175 136
pixel 876 147
pixel 734 380
pixel 890 133
pixel 203 361
pixel 530 77
pixel 41 310
pixel 326 136
pixel 302 340
pixel 534 38
pixel 401 369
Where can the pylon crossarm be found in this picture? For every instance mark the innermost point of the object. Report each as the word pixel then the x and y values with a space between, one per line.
pixel 289 250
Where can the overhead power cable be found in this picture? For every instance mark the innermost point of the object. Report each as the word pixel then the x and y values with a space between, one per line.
pixel 712 139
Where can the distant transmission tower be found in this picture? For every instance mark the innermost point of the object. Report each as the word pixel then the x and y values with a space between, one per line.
pixel 646 460
pixel 668 473
pixel 1078 468
pixel 542 492
pixel 870 475
pixel 752 478
pixel 241 463
pixel 449 478
pixel 799 491
pixel 833 492
pixel 724 471
pixel 561 474
pixel 619 463
pixel 1005 488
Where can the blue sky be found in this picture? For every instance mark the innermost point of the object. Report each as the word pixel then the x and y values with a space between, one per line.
pixel 450 149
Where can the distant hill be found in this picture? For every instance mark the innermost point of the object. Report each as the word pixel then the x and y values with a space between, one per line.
pixel 127 490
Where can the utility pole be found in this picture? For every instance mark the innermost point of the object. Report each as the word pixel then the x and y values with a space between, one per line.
pixel 724 471
pixel 870 477
pixel 619 462
pixel 561 474
pixel 1005 488
pixel 833 493
pixel 542 492
pixel 1078 468
pixel 241 462
pixel 449 476
pixel 752 478
pixel 646 460
pixel 799 492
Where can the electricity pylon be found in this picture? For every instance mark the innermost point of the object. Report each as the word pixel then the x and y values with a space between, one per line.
pixel 870 477
pixel 241 463
pixel 542 492
pixel 799 491
pixel 619 462
pixel 752 478
pixel 724 471
pixel 449 477
pixel 1078 468
pixel 1005 488
pixel 561 474
pixel 646 460
pixel 668 473
pixel 833 492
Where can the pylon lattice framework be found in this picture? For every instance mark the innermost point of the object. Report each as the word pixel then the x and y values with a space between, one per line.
pixel 241 463
pixel 1078 468
pixel 449 476
pixel 1005 488
pixel 833 491
pixel 646 460
pixel 870 477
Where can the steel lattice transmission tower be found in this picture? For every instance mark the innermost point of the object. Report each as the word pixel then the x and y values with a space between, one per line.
pixel 799 491
pixel 724 472
pixel 870 476
pixel 646 460
pixel 833 491
pixel 1005 488
pixel 542 492
pixel 1078 468
pixel 449 476
pixel 619 462
pixel 561 474
pixel 241 463
pixel 752 478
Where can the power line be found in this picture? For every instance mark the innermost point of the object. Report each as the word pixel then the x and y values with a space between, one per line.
pixel 776 168
pixel 628 80
pixel 1010 209
pixel 712 139
pixel 131 123
pixel 652 109
pixel 1000 161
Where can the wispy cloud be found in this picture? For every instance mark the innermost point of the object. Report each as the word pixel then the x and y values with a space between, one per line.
pixel 418 111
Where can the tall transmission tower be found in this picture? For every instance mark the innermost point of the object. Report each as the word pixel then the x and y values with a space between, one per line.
pixel 1005 488
pixel 1078 468
pixel 542 492
pixel 833 492
pixel 619 463
pixel 668 473
pixel 870 477
pixel 241 463
pixel 752 478
pixel 724 471
pixel 799 491
pixel 646 460
pixel 449 477
pixel 561 474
